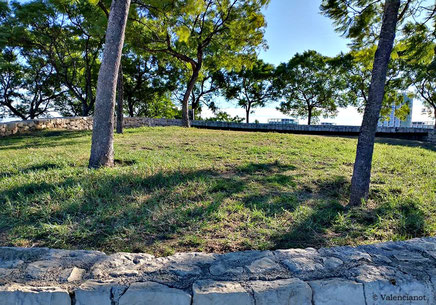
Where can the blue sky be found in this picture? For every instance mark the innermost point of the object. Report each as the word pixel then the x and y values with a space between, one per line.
pixel 295 26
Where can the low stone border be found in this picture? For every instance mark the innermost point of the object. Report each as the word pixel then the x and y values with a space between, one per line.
pixel 85 123
pixel 386 273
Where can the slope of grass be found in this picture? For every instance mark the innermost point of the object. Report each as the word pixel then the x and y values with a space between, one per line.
pixel 176 190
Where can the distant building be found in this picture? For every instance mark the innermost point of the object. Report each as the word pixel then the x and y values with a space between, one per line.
pixel 283 121
pixel 394 121
pixel 327 123
pixel 423 125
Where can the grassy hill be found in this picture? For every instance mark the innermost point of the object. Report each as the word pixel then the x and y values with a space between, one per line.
pixel 175 189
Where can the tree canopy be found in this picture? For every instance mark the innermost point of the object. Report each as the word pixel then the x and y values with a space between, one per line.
pixel 309 86
pixel 202 34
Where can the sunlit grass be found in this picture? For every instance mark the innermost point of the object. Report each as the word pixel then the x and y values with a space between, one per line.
pixel 176 189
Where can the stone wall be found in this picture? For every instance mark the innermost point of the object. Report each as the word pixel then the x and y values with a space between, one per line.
pixel 387 273
pixel 85 123
pixel 394 132
pixel 19 127
pixel 140 122
pixel 431 137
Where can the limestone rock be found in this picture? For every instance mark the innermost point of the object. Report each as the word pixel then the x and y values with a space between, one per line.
pixel 93 292
pixel 263 265
pixel 154 294
pixel 41 269
pixel 282 292
pixel 398 293
pixel 76 275
pixel 220 293
pixel 22 295
pixel 337 292
pixel 302 264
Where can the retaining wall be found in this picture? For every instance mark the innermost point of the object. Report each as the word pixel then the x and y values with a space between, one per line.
pixel 410 133
pixel 387 273
pixel 85 123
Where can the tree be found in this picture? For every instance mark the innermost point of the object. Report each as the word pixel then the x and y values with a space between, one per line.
pixel 360 21
pixel 102 153
pixel 69 36
pixel 355 68
pixel 361 27
pixel 222 116
pixel 147 86
pixel 424 81
pixel 201 34
pixel 251 86
pixel 28 87
pixel 309 86
pixel 208 87
pixel 420 63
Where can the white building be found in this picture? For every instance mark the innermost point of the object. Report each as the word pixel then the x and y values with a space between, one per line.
pixel 283 121
pixel 393 120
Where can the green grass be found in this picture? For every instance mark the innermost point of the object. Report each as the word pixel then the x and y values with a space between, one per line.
pixel 175 189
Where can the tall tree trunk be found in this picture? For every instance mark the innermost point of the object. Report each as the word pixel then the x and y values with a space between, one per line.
pixel 309 116
pixel 434 115
pixel 84 110
pixel 120 97
pixel 185 103
pixel 102 152
pixel 365 146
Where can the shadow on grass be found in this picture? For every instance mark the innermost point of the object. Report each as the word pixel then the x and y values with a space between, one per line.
pixel 407 143
pixel 113 211
pixel 44 138
pixel 33 168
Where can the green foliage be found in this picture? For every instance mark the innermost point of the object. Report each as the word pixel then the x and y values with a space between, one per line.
pixel 423 78
pixel 200 36
pixel 310 86
pixel 209 86
pixel 69 37
pixel 28 86
pixel 360 20
pixel 147 87
pixel 222 116
pixel 251 86
pixel 355 68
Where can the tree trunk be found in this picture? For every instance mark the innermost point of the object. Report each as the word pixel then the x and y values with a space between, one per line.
pixel 84 109
pixel 365 146
pixel 102 152
pixel 185 102
pixel 309 116
pixel 434 115
pixel 130 106
pixel 120 100
pixel 247 116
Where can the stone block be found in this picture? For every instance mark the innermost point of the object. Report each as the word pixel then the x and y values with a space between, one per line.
pixel 93 292
pixel 337 292
pixel 209 292
pixel 281 292
pixel 398 293
pixel 22 295
pixel 150 293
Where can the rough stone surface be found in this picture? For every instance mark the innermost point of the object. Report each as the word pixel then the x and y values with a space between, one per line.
pixel 282 292
pixel 23 295
pixel 155 294
pixel 337 292
pixel 370 274
pixel 398 293
pixel 85 123
pixel 97 293
pixel 220 293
